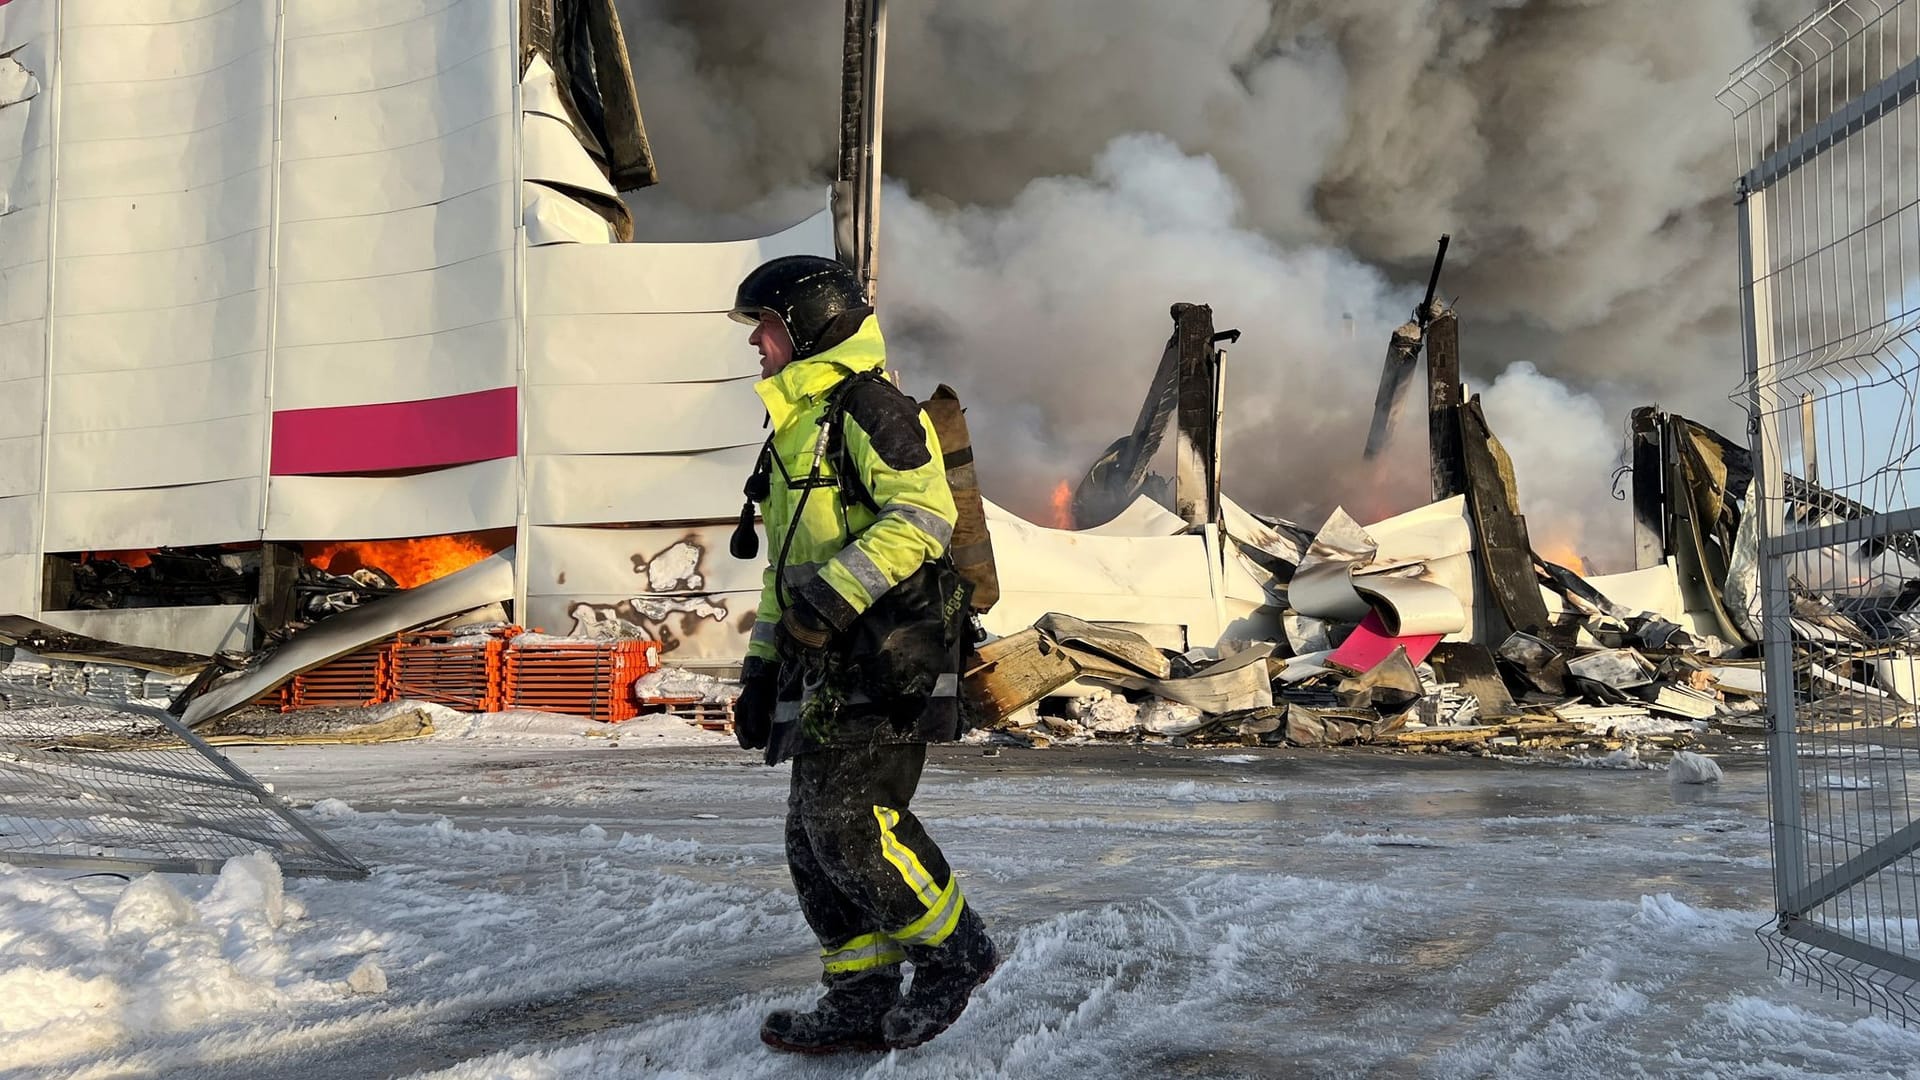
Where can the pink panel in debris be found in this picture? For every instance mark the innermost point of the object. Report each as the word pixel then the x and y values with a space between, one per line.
pixel 1369 644
pixel 398 435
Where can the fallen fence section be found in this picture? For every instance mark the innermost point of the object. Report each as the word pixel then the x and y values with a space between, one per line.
pixel 69 800
pixel 1826 127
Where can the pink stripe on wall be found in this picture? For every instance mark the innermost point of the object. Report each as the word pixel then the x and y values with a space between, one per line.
pixel 397 435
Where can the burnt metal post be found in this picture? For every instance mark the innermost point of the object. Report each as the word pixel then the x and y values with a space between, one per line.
pixel 856 189
pixel 1649 487
pixel 1444 398
pixel 1196 490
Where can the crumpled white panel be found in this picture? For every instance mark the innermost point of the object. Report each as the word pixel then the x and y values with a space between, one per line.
pixel 464 498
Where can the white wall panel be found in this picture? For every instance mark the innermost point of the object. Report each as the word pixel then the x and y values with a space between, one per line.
pixel 566 489
pixel 170 278
pixel 197 453
pixel 426 237
pixel 430 172
pixel 23 350
pixel 118 224
pixel 19 525
pixel 397 305
pixel 397 276
pixel 21 24
pixel 162 337
pixel 118 51
pixel 22 406
pixel 173 106
pixel 415 111
pixel 465 498
pixel 656 419
pixel 165 163
pixel 141 12
pixel 220 513
pixel 669 348
pixel 181 394
pixel 163 228
pixel 20 583
pixel 26 193
pixel 597 279
pixel 23 230
pixel 345 61
pixel 307 18
pixel 23 292
pixel 460 361
pixel 20 466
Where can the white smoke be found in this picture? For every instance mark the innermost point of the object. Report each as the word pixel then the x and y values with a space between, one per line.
pixel 1302 157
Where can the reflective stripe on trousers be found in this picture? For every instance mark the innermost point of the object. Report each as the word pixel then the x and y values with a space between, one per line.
pixel 943 904
pixel 864 953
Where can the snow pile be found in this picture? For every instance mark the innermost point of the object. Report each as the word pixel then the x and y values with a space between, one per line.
pixel 87 969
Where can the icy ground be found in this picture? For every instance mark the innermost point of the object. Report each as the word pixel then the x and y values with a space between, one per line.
pixel 583 913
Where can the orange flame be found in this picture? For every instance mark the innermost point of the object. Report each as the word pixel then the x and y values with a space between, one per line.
pixel 1563 553
pixel 409 562
pixel 135 559
pixel 1062 506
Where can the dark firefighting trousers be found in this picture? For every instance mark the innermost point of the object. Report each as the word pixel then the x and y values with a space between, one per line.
pixel 870 881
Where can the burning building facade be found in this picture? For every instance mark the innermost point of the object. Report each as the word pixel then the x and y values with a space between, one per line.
pixel 337 288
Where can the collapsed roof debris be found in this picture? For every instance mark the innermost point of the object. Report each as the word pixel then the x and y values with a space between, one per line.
pixel 1441 628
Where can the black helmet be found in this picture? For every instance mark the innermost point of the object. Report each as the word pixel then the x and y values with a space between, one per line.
pixel 819 299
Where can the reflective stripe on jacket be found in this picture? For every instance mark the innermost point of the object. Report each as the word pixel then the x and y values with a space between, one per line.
pixel 843 556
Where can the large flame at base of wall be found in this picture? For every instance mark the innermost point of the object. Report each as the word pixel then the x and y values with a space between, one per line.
pixel 411 561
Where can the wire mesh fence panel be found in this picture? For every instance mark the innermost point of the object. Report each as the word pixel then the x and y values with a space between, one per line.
pixel 87 784
pixel 1827 132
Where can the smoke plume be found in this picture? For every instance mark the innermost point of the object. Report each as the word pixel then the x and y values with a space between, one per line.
pixel 1066 169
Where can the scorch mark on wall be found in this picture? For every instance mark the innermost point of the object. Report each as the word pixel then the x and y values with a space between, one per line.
pixel 673 600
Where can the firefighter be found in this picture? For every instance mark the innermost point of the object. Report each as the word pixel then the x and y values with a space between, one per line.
pixel 854 662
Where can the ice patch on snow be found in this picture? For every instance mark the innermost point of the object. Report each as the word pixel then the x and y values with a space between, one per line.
pixel 1839 782
pixel 1688 767
pixel 592 832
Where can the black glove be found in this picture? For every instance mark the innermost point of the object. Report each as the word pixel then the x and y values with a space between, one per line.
pixel 805 627
pixel 753 709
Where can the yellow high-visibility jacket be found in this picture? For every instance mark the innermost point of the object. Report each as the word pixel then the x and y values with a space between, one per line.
pixel 843 556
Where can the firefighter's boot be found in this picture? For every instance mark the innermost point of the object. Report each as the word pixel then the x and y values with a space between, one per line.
pixel 944 978
pixel 846 1019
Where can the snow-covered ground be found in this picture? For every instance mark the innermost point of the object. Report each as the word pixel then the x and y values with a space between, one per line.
pixel 590 912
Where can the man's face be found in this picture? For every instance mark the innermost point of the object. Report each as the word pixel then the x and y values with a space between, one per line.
pixel 774 343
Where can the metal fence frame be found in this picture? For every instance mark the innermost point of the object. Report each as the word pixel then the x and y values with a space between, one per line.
pixel 1827 127
pixel 170 803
